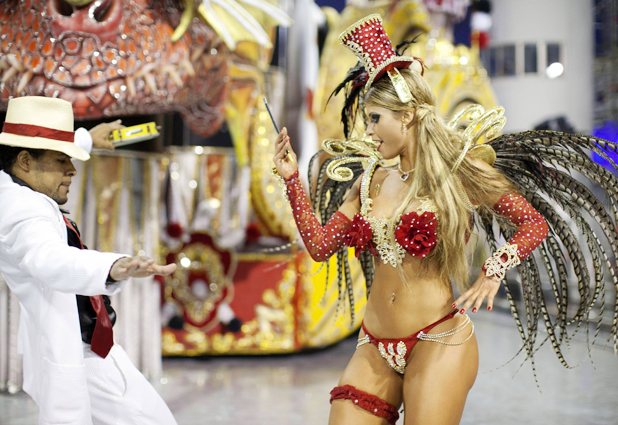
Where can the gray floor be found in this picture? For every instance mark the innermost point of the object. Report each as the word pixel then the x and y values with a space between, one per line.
pixel 294 389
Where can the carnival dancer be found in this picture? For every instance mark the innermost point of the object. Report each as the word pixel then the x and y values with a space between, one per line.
pixel 72 368
pixel 410 224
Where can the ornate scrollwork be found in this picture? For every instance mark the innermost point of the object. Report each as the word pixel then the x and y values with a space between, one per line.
pixel 505 258
pixel 482 123
pixel 348 151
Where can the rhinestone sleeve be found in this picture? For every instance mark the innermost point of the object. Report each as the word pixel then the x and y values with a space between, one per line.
pixel 531 230
pixel 321 241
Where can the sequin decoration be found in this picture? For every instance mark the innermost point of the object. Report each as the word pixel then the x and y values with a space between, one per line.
pixel 417 233
pixel 321 242
pixel 384 229
pixel 531 230
pixel 395 359
pixel 370 43
pixel 504 258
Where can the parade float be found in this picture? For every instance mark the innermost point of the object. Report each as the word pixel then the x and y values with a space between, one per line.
pixel 244 284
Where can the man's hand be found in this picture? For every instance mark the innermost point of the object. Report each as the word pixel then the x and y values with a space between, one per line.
pixel 100 134
pixel 139 266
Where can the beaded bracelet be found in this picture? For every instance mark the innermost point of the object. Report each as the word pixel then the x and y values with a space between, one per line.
pixel 283 182
pixel 497 266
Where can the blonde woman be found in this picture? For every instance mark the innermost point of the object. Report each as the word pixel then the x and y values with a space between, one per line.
pixel 417 346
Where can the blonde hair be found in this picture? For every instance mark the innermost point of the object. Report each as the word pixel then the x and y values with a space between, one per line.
pixel 437 149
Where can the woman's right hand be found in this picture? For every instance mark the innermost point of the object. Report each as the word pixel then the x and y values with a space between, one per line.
pixel 285 162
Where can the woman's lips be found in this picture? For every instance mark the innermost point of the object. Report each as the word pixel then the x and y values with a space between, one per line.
pixel 379 146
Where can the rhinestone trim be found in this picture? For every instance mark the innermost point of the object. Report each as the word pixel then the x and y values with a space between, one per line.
pixel 496 266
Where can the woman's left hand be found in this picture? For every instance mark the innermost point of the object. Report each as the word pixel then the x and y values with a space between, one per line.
pixel 484 287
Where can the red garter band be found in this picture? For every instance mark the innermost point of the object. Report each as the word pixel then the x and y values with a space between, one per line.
pixel 369 402
pixel 38 131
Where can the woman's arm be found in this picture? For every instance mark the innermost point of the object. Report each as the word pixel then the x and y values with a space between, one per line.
pixel 531 231
pixel 321 241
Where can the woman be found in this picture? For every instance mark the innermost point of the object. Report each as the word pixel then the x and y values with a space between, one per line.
pixel 418 218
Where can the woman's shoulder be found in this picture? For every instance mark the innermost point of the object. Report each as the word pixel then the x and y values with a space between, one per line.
pixel 479 163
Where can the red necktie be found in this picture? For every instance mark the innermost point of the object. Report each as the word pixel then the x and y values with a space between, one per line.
pixel 103 335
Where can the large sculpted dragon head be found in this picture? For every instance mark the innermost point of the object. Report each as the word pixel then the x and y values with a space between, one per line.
pixel 113 58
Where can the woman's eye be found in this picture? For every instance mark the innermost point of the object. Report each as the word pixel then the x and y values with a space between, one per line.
pixel 374 118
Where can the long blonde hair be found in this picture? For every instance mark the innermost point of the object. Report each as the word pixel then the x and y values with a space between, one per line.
pixel 437 149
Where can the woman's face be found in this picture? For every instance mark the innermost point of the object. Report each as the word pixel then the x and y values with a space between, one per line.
pixel 385 127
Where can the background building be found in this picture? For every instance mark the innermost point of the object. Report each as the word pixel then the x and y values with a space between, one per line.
pixel 540 61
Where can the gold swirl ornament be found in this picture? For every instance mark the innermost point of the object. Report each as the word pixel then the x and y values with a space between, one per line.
pixel 347 151
pixel 482 123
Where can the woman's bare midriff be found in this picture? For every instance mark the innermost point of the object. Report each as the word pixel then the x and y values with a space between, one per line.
pixel 422 300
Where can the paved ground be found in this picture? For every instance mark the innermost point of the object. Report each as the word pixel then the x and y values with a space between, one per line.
pixel 294 389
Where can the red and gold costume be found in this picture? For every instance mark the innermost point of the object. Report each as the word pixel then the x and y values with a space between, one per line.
pixel 416 234
pixel 527 160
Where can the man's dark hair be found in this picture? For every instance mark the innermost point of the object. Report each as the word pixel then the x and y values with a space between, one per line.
pixel 8 155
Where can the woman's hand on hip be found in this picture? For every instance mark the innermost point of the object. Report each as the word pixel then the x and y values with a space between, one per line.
pixel 285 158
pixel 484 287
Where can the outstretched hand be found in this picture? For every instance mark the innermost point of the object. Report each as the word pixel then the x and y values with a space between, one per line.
pixel 100 134
pixel 138 266
pixel 285 158
pixel 484 287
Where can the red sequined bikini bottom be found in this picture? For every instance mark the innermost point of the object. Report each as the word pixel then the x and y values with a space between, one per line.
pixel 395 351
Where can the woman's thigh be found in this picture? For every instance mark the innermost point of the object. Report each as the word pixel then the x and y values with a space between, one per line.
pixel 437 381
pixel 367 371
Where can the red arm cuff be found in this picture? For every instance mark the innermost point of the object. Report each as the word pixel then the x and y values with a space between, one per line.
pixel 531 231
pixel 321 241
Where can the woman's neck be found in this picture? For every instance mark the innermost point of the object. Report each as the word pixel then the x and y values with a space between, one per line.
pixel 407 160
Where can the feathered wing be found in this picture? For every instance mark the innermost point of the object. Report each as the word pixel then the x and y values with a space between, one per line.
pixel 326 197
pixel 541 164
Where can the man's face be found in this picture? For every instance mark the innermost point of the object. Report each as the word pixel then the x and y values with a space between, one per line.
pixel 51 175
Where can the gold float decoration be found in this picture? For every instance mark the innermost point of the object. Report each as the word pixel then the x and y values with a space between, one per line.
pixel 273 330
pixel 200 260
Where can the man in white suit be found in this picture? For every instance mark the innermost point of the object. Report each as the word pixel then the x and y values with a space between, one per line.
pixel 45 265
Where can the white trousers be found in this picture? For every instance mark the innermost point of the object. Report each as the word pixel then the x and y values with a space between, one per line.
pixel 120 394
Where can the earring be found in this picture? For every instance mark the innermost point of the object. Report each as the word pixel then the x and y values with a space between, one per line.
pixel 404 129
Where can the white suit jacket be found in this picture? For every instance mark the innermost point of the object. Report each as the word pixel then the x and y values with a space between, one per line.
pixel 45 273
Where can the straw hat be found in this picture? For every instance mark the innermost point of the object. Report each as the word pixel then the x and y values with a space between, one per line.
pixel 38 122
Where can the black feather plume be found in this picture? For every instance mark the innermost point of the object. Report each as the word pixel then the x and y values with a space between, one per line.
pixel 353 86
pixel 542 166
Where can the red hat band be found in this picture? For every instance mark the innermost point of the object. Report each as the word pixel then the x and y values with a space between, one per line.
pixel 38 131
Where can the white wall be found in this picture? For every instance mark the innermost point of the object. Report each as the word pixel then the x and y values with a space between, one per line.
pixel 530 99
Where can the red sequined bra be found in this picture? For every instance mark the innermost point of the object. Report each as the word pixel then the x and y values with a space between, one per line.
pixel 415 232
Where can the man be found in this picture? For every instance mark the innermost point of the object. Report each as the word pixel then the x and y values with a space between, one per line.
pixel 73 382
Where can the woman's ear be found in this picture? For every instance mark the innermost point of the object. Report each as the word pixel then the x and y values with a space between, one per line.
pixel 416 66
pixel 408 118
